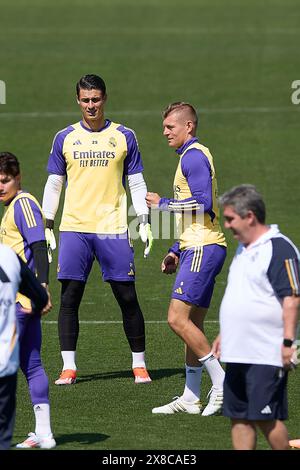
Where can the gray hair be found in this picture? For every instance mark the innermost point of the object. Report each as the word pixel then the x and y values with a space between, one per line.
pixel 245 198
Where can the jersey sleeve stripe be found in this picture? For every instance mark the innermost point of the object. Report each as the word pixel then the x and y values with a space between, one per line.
pixel 181 206
pixel 28 213
pixel 292 273
pixel 24 212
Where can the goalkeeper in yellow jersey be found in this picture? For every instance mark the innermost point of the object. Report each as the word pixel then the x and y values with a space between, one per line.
pixel 96 156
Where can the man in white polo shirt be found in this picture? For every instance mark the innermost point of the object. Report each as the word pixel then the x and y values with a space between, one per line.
pixel 258 320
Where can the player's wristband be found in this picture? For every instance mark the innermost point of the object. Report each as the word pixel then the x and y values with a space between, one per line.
pixel 50 224
pixel 144 219
pixel 288 343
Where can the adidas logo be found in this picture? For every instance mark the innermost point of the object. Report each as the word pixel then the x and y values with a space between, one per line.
pixel 178 291
pixel 77 142
pixel 131 272
pixel 266 411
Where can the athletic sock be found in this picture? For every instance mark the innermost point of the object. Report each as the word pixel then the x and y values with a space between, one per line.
pixel 192 389
pixel 138 359
pixel 69 360
pixel 42 419
pixel 214 369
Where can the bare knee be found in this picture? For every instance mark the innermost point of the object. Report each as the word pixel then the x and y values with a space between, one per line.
pixel 175 322
pixel 243 434
pixel 276 434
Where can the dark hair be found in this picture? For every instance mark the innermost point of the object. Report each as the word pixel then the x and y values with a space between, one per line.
pixel 91 82
pixel 181 106
pixel 245 198
pixel 9 164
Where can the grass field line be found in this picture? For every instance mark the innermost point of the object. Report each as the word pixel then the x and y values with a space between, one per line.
pixel 107 322
pixel 152 112
pixel 150 31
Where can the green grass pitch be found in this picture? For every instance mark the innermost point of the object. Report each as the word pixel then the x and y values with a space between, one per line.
pixel 235 62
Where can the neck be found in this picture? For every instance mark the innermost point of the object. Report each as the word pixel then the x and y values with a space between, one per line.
pixel 94 125
pixel 188 138
pixel 13 197
pixel 258 231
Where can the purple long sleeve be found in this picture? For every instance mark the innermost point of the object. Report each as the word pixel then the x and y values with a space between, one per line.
pixel 196 169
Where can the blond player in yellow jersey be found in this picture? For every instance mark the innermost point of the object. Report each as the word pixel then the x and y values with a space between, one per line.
pixel 200 251
pixel 96 156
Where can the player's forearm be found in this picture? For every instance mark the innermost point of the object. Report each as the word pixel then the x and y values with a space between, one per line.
pixel 174 205
pixel 138 191
pixel 51 196
pixel 290 316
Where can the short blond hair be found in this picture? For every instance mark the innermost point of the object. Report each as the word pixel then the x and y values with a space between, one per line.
pixel 181 106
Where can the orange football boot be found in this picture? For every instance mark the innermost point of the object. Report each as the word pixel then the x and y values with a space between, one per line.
pixel 67 377
pixel 141 375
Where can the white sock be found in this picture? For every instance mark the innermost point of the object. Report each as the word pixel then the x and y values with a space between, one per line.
pixel 214 370
pixel 42 419
pixel 69 360
pixel 192 387
pixel 138 359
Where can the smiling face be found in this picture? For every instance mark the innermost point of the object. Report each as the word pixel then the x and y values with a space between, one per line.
pixel 241 227
pixel 92 103
pixel 9 186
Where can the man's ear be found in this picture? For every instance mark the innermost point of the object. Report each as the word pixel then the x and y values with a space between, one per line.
pixel 251 217
pixel 190 126
pixel 18 179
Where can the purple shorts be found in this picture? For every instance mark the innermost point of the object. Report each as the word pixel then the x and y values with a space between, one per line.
pixel 77 252
pixel 197 272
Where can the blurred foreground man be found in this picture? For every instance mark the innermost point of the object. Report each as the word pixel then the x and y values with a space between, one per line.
pixel 258 321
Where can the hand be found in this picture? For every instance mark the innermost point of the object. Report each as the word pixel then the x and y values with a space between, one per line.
pixel 295 356
pixel 289 359
pixel 146 236
pixel 216 347
pixel 50 242
pixel 48 306
pixel 26 310
pixel 152 200
pixel 170 263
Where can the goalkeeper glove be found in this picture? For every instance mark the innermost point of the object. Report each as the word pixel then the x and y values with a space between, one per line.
pixel 146 234
pixel 50 242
